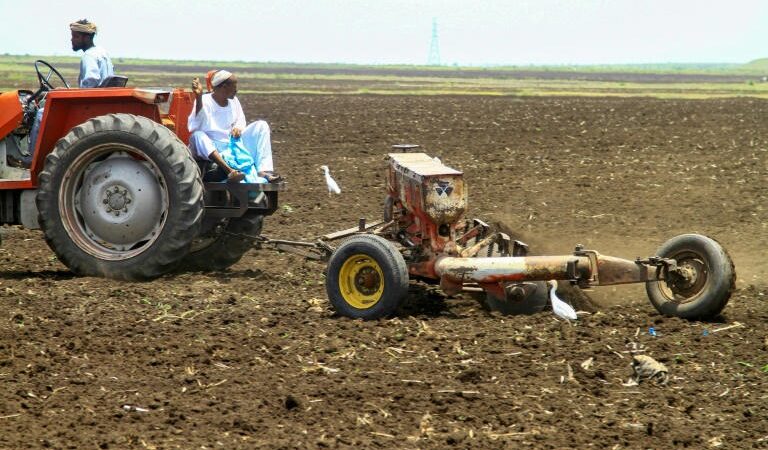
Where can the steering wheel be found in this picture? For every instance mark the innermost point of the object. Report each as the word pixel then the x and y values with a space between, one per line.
pixel 45 81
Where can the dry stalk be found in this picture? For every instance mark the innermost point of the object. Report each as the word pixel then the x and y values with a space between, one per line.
pixel 376 433
pixel 735 325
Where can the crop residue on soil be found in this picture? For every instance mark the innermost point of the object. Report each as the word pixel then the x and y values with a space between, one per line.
pixel 253 357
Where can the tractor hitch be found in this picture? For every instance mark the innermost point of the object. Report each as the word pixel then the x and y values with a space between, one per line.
pixel 318 250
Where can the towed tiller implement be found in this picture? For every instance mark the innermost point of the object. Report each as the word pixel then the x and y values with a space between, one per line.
pixel 424 236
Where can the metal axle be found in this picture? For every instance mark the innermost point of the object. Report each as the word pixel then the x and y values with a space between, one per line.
pixel 586 268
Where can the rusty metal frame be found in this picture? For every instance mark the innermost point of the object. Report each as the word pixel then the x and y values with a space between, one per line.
pixel 237 203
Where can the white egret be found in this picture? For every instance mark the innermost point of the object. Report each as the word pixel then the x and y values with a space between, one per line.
pixel 333 187
pixel 559 307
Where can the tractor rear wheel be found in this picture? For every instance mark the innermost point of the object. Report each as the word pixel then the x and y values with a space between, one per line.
pixel 120 197
pixel 220 247
pixel 702 286
pixel 367 278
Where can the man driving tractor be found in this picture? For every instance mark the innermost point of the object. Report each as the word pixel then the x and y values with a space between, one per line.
pixel 95 67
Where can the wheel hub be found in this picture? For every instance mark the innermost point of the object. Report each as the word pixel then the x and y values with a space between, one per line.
pixel 688 279
pixel 685 277
pixel 120 202
pixel 367 281
pixel 361 281
pixel 116 200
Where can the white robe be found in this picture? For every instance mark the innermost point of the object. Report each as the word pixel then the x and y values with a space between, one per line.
pixel 211 126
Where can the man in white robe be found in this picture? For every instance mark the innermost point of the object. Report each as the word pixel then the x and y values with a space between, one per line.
pixel 219 132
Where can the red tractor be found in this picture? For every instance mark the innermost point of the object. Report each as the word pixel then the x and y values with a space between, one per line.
pixel 113 186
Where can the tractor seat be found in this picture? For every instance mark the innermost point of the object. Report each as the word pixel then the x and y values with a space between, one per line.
pixel 114 81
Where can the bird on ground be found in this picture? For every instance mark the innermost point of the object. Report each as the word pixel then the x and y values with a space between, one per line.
pixel 333 187
pixel 559 307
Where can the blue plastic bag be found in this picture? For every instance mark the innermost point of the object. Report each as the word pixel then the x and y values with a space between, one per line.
pixel 239 158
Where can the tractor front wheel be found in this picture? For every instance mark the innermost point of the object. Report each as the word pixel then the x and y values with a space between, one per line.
pixel 703 282
pixel 367 278
pixel 120 197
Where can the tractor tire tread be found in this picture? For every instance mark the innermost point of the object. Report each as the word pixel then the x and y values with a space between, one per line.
pixel 225 250
pixel 182 222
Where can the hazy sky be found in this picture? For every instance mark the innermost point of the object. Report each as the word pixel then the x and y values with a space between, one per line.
pixel 399 31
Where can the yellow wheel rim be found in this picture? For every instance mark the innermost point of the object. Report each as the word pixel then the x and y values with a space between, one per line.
pixel 361 281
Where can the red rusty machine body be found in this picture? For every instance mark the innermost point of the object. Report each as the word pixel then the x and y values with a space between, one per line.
pixel 425 236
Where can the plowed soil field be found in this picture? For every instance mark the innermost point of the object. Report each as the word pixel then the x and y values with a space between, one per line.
pixel 253 357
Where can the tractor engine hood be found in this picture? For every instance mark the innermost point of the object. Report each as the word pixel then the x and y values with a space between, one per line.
pixel 11 112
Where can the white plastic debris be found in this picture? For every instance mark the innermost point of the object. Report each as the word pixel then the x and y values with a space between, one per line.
pixel 647 368
pixel 135 408
pixel 559 307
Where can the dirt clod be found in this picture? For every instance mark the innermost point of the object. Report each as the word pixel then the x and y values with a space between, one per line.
pixel 235 374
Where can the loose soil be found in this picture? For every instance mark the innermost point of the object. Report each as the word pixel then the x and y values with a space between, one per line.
pixel 253 357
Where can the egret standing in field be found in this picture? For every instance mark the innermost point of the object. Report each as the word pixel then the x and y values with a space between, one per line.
pixel 333 187
pixel 559 307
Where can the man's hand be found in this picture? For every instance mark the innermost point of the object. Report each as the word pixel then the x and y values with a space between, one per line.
pixel 236 132
pixel 197 88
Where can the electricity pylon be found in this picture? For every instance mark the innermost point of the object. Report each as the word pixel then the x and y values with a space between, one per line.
pixel 434 47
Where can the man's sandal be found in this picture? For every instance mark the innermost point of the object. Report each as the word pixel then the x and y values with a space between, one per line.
pixel 271 177
pixel 274 178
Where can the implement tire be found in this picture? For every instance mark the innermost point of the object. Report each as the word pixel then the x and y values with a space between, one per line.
pixel 711 279
pixel 120 197
pixel 367 278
